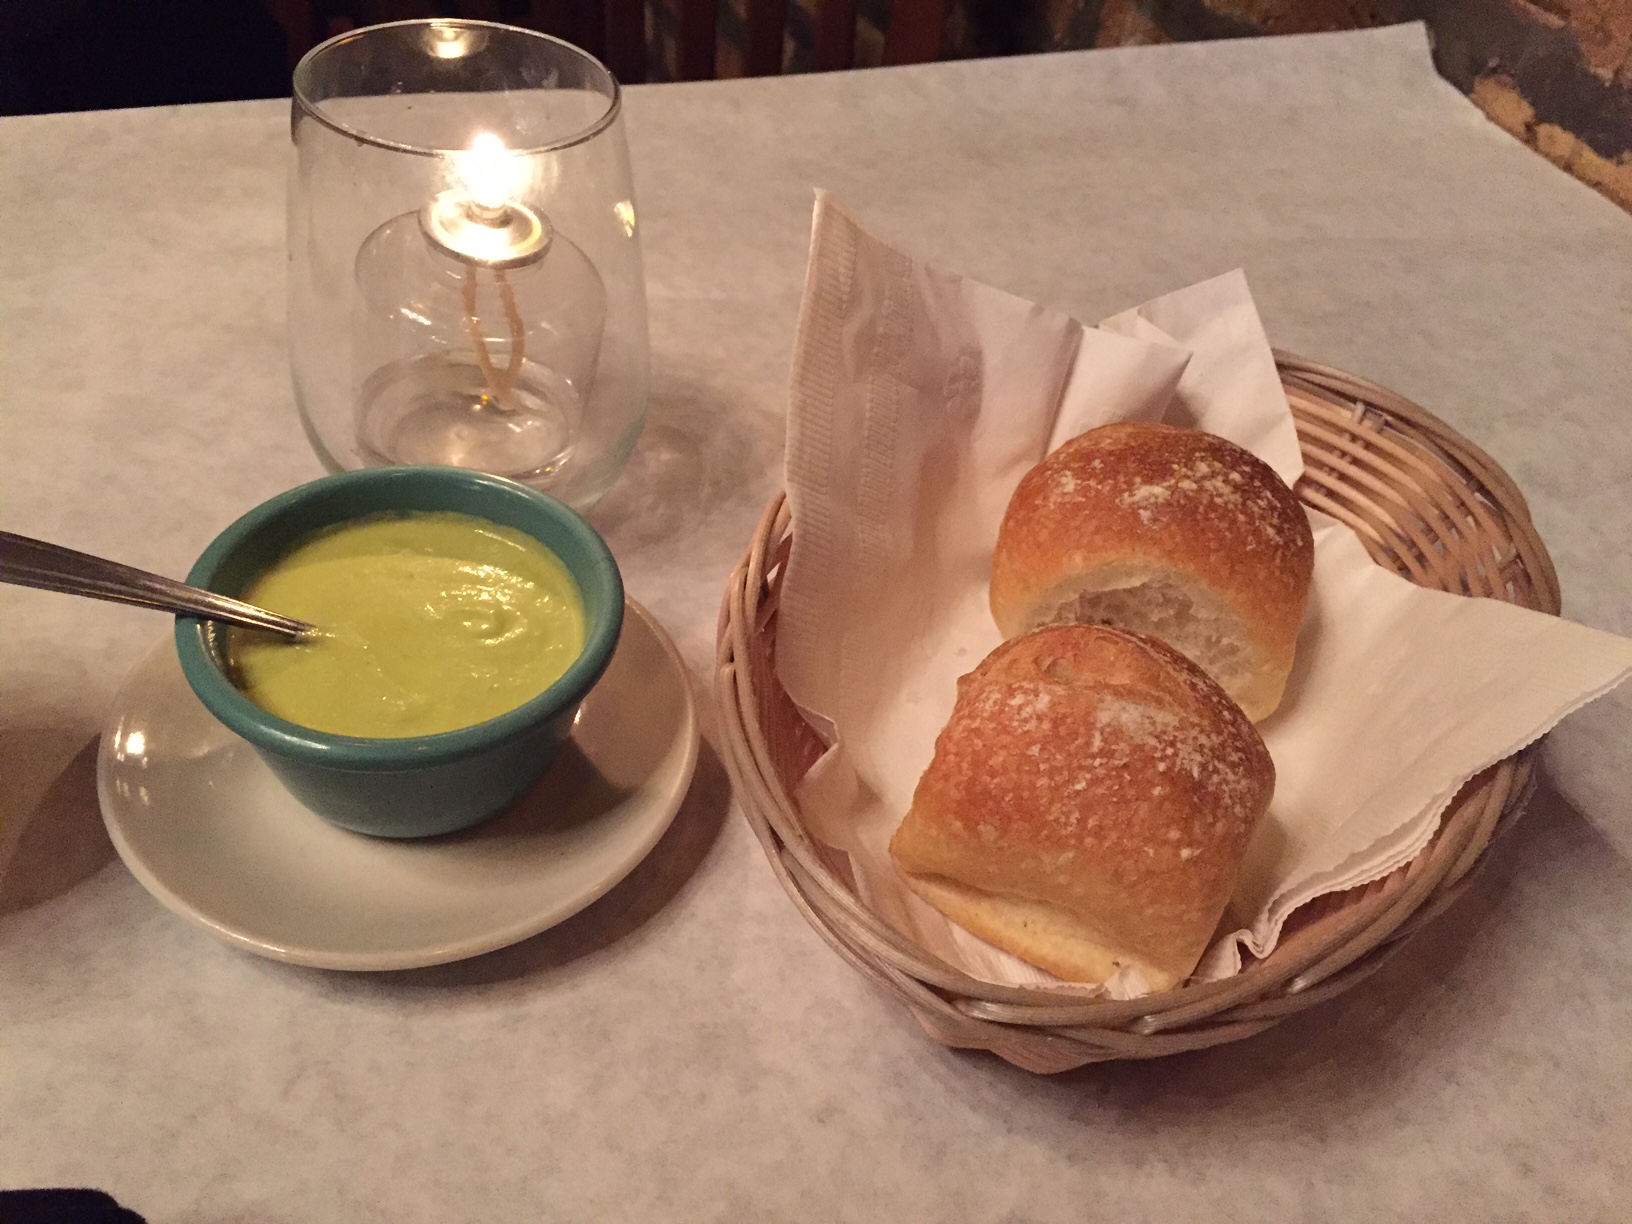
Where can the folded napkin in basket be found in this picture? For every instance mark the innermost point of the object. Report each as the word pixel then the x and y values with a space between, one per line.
pixel 919 398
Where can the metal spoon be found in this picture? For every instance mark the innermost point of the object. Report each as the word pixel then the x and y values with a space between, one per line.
pixel 50 567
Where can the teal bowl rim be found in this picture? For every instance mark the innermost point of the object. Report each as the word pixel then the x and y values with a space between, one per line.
pixel 363 753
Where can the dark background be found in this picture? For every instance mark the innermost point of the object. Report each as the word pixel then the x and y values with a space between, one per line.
pixel 69 55
pixel 74 55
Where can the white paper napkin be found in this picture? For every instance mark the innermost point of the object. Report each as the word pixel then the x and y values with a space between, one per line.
pixel 919 398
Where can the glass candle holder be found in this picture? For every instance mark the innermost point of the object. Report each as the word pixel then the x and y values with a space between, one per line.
pixel 465 277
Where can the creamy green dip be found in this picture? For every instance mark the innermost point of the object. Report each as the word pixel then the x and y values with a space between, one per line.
pixel 432 621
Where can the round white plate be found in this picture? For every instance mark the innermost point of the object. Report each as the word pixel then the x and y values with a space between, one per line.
pixel 209 831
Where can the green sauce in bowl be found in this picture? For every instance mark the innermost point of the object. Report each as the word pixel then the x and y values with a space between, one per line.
pixel 432 621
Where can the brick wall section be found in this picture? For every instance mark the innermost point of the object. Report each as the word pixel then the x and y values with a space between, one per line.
pixel 1558 77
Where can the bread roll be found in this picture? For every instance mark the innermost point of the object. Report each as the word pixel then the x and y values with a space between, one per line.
pixel 1088 805
pixel 1172 532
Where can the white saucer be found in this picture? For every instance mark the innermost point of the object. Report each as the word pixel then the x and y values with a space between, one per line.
pixel 208 830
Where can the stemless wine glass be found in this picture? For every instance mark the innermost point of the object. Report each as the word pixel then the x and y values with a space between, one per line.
pixel 465 279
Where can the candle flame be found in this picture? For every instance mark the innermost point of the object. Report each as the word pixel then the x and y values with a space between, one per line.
pixel 489 171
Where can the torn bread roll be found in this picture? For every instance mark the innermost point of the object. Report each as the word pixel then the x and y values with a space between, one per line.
pixel 1088 805
pixel 1172 532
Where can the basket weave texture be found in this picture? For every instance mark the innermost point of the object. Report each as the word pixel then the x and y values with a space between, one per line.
pixel 1426 503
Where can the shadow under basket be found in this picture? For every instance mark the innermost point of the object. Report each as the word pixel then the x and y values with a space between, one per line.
pixel 1427 504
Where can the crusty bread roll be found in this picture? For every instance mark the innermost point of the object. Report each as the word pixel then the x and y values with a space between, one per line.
pixel 1172 532
pixel 1088 805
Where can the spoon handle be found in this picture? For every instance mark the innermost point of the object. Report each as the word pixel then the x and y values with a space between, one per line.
pixel 50 567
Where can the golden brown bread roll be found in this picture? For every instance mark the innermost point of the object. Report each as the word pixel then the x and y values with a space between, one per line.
pixel 1167 531
pixel 1088 805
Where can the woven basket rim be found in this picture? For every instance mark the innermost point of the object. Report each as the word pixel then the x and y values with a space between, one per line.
pixel 1427 503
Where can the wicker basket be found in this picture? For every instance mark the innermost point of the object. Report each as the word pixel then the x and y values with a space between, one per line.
pixel 1427 504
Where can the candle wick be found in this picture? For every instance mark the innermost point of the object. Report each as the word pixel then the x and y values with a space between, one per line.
pixel 500 387
pixel 518 333
pixel 495 215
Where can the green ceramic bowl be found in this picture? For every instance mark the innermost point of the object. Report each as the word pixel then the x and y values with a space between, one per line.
pixel 415 786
